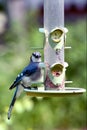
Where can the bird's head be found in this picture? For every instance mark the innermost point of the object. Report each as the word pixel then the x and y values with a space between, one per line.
pixel 36 57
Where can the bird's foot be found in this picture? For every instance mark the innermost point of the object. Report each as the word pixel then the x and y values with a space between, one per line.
pixel 32 88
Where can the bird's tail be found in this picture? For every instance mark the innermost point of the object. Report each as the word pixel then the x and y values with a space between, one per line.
pixel 11 105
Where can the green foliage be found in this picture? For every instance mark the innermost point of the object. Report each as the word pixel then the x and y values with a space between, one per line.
pixel 29 113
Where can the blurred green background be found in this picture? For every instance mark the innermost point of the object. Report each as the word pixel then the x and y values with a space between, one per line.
pixel 30 113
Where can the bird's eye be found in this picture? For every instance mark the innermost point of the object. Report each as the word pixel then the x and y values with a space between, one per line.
pixel 36 55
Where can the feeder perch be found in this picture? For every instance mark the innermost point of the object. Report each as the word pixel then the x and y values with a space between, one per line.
pixel 54 63
pixel 68 91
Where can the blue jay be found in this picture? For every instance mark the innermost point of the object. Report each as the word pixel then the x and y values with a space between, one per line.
pixel 32 72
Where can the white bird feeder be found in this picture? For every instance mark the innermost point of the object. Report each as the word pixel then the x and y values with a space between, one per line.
pixel 55 35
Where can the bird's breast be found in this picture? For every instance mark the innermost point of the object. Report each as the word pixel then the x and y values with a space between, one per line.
pixel 35 76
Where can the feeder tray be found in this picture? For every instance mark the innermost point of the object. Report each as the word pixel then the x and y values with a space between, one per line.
pixel 55 38
pixel 68 91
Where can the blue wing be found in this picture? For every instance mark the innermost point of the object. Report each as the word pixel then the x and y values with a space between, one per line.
pixel 28 71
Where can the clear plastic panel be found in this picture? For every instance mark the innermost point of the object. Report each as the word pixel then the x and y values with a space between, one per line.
pixel 53 17
pixel 53 14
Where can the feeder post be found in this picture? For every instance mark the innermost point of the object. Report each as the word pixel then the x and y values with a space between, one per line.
pixel 54 43
pixel 53 17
